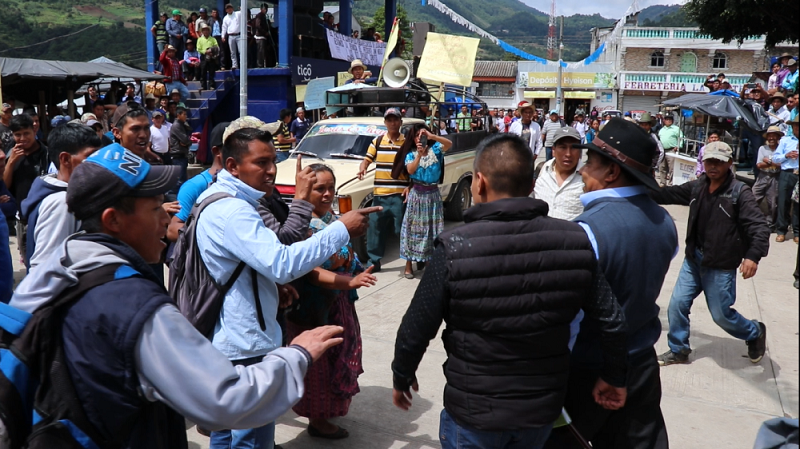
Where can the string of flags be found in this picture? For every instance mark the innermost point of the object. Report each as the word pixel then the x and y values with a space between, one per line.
pixel 461 20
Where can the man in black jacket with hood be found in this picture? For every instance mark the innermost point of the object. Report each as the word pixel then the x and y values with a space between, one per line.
pixel 725 227
pixel 509 284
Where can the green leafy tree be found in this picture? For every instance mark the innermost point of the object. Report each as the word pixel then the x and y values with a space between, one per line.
pixel 737 20
pixel 379 23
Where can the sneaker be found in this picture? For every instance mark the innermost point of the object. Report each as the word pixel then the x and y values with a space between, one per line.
pixel 377 266
pixel 757 347
pixel 797 284
pixel 672 358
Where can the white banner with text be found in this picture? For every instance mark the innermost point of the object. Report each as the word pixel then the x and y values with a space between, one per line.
pixel 348 48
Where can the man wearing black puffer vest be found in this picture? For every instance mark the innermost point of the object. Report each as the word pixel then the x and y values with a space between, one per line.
pixel 509 284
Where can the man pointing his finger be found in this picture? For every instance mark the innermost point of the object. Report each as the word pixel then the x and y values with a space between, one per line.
pixel 230 231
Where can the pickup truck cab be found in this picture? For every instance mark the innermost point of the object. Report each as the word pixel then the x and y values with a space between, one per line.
pixel 342 144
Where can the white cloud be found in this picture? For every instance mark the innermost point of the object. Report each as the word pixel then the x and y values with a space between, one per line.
pixel 612 9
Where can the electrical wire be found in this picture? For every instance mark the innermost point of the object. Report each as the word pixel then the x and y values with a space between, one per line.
pixel 50 40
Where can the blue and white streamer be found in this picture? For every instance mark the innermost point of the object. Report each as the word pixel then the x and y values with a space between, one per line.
pixel 459 19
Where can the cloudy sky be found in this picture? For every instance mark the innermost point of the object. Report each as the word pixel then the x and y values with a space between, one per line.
pixel 612 9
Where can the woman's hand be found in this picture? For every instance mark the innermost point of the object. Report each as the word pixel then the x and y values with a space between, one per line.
pixel 363 279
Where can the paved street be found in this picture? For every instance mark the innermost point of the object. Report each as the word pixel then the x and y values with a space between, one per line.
pixel 718 401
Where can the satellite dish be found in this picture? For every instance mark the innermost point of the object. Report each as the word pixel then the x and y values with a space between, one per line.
pixel 396 73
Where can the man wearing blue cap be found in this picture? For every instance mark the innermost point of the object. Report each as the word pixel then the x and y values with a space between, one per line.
pixel 132 357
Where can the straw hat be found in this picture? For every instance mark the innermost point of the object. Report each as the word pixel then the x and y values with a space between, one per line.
pixel 354 64
pixel 524 105
pixel 779 96
pixel 774 130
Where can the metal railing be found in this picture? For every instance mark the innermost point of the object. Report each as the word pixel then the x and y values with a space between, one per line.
pixel 672 33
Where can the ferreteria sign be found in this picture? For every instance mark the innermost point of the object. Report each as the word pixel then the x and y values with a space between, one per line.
pixel 671 87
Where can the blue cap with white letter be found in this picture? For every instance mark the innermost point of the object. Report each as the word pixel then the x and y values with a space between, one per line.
pixel 112 173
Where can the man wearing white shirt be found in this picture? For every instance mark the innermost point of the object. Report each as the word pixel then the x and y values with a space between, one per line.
pixel 159 135
pixel 580 126
pixel 527 128
pixel 559 184
pixel 230 33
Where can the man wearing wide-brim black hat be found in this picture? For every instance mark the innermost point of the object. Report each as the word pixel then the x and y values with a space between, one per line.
pixel 726 231
pixel 621 220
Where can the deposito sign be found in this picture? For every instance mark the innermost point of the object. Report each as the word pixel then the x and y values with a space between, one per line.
pixel 448 59
pixel 568 80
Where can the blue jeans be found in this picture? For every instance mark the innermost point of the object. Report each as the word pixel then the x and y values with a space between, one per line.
pixel 281 156
pixel 181 88
pixel 183 163
pixel 548 153
pixel 454 436
pixel 720 289
pixel 259 438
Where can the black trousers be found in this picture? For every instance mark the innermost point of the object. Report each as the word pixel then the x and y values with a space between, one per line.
pixel 786 213
pixel 638 425
pixel 208 70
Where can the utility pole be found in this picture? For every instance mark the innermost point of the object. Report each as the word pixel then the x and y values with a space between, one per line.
pixel 559 91
pixel 551 32
pixel 243 18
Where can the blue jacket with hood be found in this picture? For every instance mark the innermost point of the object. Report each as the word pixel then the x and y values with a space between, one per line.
pixel 40 189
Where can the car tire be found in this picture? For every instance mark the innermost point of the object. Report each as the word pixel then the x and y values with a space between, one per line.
pixel 460 201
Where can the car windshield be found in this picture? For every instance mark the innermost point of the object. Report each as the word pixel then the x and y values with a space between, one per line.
pixel 339 140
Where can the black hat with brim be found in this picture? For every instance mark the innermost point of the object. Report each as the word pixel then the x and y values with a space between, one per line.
pixel 628 145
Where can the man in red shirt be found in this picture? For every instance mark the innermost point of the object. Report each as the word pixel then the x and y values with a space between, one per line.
pixel 173 72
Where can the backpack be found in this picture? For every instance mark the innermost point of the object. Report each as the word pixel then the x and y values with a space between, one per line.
pixel 197 295
pixel 39 406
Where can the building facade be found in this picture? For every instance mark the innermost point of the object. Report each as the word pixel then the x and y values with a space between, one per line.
pixel 495 83
pixel 653 64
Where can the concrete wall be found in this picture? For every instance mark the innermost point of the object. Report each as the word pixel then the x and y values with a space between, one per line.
pixel 739 61
pixel 269 91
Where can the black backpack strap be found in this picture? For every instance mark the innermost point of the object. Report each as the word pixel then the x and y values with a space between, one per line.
pixel 736 191
pixel 223 290
pixel 257 297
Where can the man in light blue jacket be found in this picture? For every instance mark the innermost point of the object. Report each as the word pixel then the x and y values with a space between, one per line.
pixel 230 230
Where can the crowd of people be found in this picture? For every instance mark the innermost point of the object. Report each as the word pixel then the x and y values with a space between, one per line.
pixel 549 302
pixel 212 39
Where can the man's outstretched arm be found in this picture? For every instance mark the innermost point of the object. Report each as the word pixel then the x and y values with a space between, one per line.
pixel 419 326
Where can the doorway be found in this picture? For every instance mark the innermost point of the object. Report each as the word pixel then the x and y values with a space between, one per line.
pixel 572 105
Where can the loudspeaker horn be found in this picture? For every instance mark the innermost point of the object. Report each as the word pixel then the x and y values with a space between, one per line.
pixel 396 73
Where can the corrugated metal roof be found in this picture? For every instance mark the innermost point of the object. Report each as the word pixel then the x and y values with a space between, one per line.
pixel 495 69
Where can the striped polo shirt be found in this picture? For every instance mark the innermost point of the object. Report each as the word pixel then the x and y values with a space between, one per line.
pixel 382 154
pixel 284 130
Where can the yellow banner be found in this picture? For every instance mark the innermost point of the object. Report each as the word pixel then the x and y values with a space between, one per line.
pixel 578 94
pixel 448 59
pixel 300 92
pixel 342 77
pixel 568 80
pixel 540 94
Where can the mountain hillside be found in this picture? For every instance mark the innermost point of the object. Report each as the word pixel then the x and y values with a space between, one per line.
pixel 80 30
pixel 510 20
